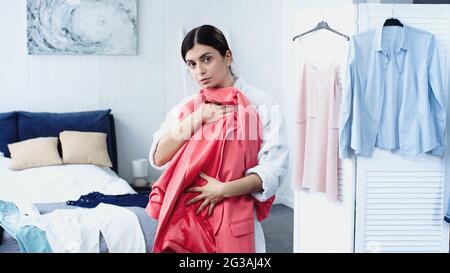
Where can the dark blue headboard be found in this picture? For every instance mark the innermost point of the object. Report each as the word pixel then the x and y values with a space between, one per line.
pixel 21 125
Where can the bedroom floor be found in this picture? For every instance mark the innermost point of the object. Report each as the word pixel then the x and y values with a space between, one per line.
pixel 278 230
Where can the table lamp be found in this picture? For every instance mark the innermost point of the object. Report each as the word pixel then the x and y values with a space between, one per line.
pixel 140 172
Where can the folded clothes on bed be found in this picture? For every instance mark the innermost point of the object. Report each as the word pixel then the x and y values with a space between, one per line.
pixel 29 238
pixel 92 199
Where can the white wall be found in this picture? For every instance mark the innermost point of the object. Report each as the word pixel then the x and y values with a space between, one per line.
pixel 132 86
pixel 139 89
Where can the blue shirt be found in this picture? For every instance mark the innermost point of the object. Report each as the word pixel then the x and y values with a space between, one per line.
pixel 29 238
pixel 394 97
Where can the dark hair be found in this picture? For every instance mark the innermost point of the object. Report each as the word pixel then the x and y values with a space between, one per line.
pixel 205 35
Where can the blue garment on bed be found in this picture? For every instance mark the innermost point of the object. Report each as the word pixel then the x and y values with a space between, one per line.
pixel 92 199
pixel 29 238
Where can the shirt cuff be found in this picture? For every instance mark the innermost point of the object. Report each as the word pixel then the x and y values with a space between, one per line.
pixel 270 183
pixel 438 151
pixel 151 156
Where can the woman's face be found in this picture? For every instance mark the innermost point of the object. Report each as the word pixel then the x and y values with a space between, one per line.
pixel 208 67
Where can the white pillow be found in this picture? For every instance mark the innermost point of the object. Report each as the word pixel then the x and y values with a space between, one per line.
pixel 35 152
pixel 84 148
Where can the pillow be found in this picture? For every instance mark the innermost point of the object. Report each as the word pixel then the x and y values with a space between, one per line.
pixel 84 148
pixel 36 152
pixel 8 131
pixel 44 124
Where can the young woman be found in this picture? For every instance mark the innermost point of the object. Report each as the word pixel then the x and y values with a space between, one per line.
pixel 209 58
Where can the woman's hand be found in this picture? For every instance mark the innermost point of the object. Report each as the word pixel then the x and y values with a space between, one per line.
pixel 210 112
pixel 212 193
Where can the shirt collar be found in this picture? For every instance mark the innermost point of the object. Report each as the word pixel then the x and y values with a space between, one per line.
pixel 239 83
pixel 379 36
pixel 399 56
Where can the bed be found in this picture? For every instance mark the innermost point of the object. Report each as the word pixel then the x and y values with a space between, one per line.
pixel 48 188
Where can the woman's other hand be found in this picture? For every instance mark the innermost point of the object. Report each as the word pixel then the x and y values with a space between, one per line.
pixel 211 193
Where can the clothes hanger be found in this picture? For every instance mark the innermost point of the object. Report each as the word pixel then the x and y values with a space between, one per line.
pixel 392 21
pixel 322 25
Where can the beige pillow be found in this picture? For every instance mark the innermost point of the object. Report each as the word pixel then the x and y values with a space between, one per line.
pixel 36 152
pixel 84 148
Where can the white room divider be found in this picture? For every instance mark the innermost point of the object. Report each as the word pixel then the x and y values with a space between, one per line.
pixel 389 203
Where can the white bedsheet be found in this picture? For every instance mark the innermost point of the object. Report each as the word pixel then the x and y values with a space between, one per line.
pixel 75 230
pixel 57 183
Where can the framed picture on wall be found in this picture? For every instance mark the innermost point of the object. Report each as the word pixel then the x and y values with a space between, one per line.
pixel 82 27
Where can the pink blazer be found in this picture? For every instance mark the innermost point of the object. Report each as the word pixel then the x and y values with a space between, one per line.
pixel 223 150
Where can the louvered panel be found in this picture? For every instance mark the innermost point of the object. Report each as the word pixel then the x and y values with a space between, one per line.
pixel 406 185
pixel 404 196
pixel 399 207
pixel 386 174
pixel 410 206
pixel 397 242
pixel 401 228
pixel 406 250
pixel 374 190
pixel 386 234
pixel 401 200
pixel 407 212
pixel 344 177
pixel 400 222
pixel 403 211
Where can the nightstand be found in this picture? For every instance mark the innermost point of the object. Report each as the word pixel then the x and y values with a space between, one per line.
pixel 146 189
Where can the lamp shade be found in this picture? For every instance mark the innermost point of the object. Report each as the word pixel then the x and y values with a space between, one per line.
pixel 140 168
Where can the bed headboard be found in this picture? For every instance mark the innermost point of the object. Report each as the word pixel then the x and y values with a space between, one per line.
pixel 21 125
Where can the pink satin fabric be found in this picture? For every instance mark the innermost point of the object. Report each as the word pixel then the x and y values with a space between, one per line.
pixel 223 150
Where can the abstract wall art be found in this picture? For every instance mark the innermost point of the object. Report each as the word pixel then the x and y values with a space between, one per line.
pixel 82 27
